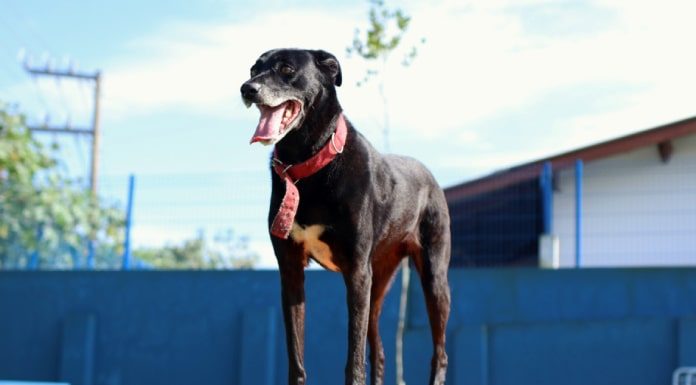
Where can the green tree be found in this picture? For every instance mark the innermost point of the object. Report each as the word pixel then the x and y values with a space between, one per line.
pixel 225 252
pixel 376 45
pixel 384 35
pixel 47 219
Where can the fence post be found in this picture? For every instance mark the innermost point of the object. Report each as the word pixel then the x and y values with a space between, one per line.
pixel 546 182
pixel 129 216
pixel 35 256
pixel 578 212
pixel 549 252
pixel 90 254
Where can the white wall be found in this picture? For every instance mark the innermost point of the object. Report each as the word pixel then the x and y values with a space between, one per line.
pixel 638 211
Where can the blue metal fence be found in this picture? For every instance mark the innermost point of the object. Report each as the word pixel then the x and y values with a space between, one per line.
pixel 607 213
pixel 578 212
pixel 598 212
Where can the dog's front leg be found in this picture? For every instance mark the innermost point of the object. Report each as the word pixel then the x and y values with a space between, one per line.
pixel 293 301
pixel 358 283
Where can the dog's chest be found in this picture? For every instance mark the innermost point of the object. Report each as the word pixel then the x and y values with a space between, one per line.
pixel 308 238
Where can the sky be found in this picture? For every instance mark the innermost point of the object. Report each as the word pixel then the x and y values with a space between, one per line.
pixel 495 83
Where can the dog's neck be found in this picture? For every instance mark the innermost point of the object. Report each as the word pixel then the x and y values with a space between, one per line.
pixel 304 141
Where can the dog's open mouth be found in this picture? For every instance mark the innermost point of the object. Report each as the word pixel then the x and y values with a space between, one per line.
pixel 276 121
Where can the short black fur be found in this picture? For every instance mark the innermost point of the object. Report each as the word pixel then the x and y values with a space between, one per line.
pixel 373 209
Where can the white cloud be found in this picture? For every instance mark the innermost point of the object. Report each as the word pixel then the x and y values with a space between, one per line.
pixel 495 70
pixel 264 250
pixel 485 159
pixel 480 61
pixel 153 235
pixel 202 66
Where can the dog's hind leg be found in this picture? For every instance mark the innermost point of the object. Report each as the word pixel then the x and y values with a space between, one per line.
pixel 381 279
pixel 432 263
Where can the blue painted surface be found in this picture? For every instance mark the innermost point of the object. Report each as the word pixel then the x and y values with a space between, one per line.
pixel 129 224
pixel 90 254
pixel 77 348
pixel 578 212
pixel 546 185
pixel 259 341
pixel 31 383
pixel 596 351
pixel 687 342
pixel 512 326
pixel 34 257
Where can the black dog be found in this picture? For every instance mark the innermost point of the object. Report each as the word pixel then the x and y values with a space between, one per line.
pixel 359 212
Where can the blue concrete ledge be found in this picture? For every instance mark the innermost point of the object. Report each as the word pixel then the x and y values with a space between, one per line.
pixel 31 383
pixel 510 326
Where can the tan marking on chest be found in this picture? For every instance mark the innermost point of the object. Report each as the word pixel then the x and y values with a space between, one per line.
pixel 308 238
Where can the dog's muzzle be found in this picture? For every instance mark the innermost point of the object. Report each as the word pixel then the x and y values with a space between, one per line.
pixel 278 115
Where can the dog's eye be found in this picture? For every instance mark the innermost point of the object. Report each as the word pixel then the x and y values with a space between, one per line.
pixel 253 72
pixel 286 70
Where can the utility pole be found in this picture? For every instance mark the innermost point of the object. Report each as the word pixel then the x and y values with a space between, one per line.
pixel 92 131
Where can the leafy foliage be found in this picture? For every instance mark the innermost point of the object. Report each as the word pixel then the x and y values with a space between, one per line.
pixel 384 35
pixel 46 219
pixel 226 252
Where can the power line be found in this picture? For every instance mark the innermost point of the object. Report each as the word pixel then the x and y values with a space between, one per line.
pixel 39 96
pixel 80 151
pixel 93 130
pixel 27 25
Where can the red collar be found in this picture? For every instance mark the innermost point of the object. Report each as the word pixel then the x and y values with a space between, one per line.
pixel 282 223
pixel 312 165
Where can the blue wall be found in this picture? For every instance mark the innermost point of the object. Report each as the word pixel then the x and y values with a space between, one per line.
pixel 508 326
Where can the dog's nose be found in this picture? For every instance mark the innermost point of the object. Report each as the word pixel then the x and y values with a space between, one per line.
pixel 250 90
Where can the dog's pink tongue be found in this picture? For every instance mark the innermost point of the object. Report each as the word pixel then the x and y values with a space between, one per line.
pixel 269 123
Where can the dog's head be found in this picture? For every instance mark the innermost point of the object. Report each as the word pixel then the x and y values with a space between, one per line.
pixel 284 85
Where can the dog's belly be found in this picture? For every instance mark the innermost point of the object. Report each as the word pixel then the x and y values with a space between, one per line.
pixel 308 238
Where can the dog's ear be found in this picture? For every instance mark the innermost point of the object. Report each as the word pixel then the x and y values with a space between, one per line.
pixel 329 65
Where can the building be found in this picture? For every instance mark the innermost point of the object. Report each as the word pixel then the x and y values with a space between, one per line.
pixel 636 205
